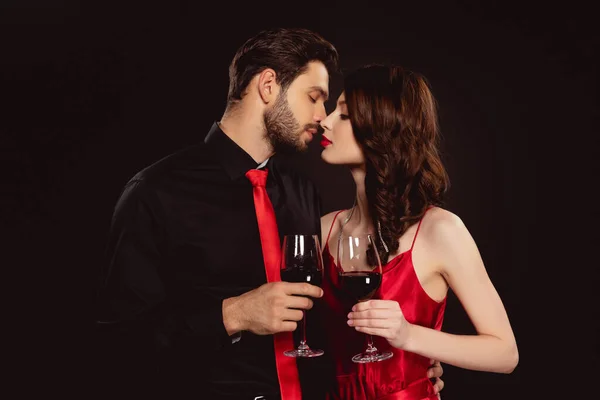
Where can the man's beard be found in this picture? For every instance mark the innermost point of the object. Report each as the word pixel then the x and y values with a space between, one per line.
pixel 283 130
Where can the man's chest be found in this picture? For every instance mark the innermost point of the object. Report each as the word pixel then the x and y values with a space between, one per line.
pixel 213 234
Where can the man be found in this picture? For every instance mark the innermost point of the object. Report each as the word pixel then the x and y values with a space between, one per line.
pixel 186 280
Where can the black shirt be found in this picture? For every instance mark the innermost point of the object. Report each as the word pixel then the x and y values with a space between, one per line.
pixel 184 236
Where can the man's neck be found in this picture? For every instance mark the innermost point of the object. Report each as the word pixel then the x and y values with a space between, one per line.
pixel 247 130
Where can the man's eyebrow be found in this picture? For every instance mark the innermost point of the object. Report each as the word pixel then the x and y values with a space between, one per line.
pixel 322 91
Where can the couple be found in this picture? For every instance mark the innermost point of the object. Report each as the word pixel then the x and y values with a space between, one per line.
pixel 185 294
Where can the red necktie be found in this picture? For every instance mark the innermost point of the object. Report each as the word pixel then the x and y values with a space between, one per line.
pixel 287 370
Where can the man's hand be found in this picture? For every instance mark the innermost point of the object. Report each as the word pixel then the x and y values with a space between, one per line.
pixel 270 308
pixel 436 371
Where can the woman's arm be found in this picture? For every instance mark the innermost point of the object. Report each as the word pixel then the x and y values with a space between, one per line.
pixel 493 348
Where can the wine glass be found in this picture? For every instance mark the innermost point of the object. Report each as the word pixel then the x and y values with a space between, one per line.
pixel 301 261
pixel 360 271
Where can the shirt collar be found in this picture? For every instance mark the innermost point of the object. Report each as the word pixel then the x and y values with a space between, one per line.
pixel 262 165
pixel 232 157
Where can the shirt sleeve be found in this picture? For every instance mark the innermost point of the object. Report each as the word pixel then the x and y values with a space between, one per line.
pixel 134 307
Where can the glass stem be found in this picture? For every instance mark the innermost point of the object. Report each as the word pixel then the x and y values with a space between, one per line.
pixel 303 345
pixel 370 347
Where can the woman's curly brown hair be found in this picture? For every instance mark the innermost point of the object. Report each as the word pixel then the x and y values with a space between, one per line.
pixel 394 118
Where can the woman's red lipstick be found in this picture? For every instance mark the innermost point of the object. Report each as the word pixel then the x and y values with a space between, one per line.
pixel 325 142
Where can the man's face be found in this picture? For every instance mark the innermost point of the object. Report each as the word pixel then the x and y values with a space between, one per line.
pixel 295 116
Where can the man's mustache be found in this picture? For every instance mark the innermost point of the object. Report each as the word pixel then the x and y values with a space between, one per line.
pixel 318 127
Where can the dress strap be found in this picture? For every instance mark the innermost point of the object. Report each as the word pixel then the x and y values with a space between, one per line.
pixel 331 227
pixel 419 227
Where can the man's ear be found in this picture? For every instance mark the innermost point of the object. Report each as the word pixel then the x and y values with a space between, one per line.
pixel 268 88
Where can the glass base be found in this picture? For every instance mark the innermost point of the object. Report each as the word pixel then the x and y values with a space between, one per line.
pixel 307 353
pixel 374 356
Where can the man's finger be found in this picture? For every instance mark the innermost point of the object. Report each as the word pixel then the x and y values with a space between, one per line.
pixel 438 386
pixel 292 315
pixel 299 302
pixel 303 289
pixel 435 371
pixel 288 326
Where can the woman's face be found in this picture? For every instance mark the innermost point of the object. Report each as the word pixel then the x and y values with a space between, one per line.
pixel 340 145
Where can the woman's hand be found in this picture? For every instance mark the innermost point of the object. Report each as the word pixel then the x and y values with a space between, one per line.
pixel 381 318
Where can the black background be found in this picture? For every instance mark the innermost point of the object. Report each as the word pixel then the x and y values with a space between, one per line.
pixel 94 91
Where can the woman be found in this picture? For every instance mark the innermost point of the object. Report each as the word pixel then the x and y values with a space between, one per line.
pixel 385 129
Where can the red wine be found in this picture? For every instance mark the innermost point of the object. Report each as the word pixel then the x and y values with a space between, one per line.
pixel 301 274
pixel 360 284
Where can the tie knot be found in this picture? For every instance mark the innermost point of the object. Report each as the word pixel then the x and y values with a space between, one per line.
pixel 257 177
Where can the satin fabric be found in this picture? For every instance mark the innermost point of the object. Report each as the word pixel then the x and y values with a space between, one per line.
pixel 404 376
pixel 287 371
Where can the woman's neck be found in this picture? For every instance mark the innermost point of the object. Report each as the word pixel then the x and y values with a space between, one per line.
pixel 359 218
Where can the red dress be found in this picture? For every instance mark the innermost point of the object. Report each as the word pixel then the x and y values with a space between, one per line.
pixel 402 377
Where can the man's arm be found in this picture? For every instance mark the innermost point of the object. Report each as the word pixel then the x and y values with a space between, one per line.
pixel 134 312
pixel 135 306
